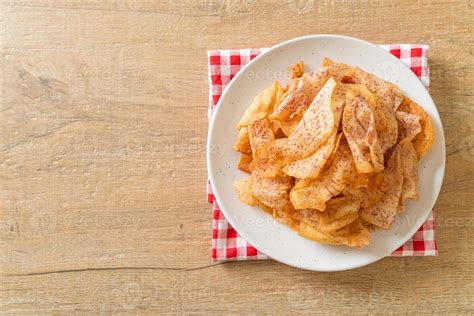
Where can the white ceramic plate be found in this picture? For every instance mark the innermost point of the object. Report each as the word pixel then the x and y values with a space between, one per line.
pixel 257 227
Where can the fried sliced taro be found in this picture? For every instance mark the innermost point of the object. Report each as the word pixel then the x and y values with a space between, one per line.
pixel 294 102
pixel 244 191
pixel 367 189
pixel 314 193
pixel 318 122
pixel 242 144
pixel 360 130
pixel 424 140
pixel 349 231
pixel 310 167
pixel 299 95
pixel 408 126
pixel 409 165
pixel 387 94
pixel 286 215
pixel 382 213
pixel 297 70
pixel 260 133
pixel 262 105
pixel 271 191
pixel 244 162
pixel 269 185
pixel 339 212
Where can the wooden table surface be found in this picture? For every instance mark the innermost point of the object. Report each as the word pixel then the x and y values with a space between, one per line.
pixel 102 160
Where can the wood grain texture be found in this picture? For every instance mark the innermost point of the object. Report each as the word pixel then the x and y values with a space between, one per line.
pixel 102 159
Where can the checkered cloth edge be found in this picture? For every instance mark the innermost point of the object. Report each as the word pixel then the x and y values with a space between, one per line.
pixel 223 66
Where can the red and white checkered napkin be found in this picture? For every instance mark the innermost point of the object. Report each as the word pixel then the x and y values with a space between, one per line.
pixel 226 242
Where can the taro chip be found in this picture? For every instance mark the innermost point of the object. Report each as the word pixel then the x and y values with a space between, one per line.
pixel 310 167
pixel 344 206
pixel 277 129
pixel 262 105
pixel 314 195
pixel 359 180
pixel 359 126
pixel 383 212
pixel 294 102
pixel 312 233
pixel 296 70
pixel 408 126
pixel 260 134
pixel 313 82
pixel 286 215
pixel 327 62
pixel 367 195
pixel 424 140
pixel 286 127
pixel 409 166
pixel 244 191
pixel 242 144
pixel 271 191
pixel 353 235
pixel 268 159
pixel 317 124
pixel 245 161
pixel 388 99
pixel 338 214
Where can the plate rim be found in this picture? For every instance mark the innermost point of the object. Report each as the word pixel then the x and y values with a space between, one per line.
pixel 218 107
